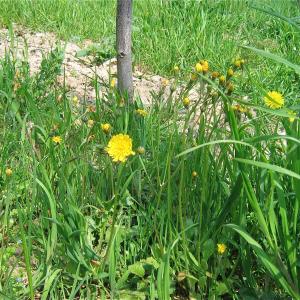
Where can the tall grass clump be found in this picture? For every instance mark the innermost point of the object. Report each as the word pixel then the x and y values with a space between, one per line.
pixel 194 196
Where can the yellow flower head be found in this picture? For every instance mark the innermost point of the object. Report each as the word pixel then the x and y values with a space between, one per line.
pixel 230 72
pixel 205 65
pixel 238 63
pixel 215 75
pixel 106 127
pixel 239 108
pixel 194 76
pixel 113 83
pixel 230 88
pixel 75 101
pixel 140 150
pixel 221 248
pixel 164 82
pixel 90 123
pixel 198 68
pixel 176 69
pixel 8 172
pixel 186 102
pixel 292 115
pixel 194 174
pixel 120 147
pixel 274 100
pixel 57 139
pixel 141 112
pixel 222 79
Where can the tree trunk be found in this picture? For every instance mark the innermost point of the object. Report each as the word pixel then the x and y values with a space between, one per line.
pixel 124 62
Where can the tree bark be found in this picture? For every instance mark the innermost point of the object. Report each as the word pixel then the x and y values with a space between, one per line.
pixel 124 60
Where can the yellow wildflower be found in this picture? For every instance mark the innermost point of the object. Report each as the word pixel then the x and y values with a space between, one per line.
pixel 205 65
pixel 57 139
pixel 292 115
pixel 113 83
pixel 90 123
pixel 141 112
pixel 75 101
pixel 215 75
pixel 164 82
pixel 222 79
pixel 221 248
pixel 106 127
pixel 194 174
pixel 238 63
pixel 176 69
pixel 186 102
pixel 119 147
pixel 140 150
pixel 230 72
pixel 239 108
pixel 274 100
pixel 198 67
pixel 8 172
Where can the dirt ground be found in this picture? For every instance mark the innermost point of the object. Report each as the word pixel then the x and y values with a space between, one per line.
pixel 79 71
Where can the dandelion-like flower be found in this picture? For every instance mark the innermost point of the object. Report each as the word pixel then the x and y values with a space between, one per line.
pixel 205 65
pixel 186 102
pixel 141 112
pixel 230 72
pixel 239 108
pixel 75 101
pixel 238 63
pixel 274 100
pixel 106 127
pixel 113 83
pixel 222 79
pixel 57 139
pixel 292 116
pixel 198 67
pixel 90 123
pixel 8 172
pixel 164 82
pixel 176 69
pixel 221 248
pixel 140 150
pixel 215 75
pixel 119 147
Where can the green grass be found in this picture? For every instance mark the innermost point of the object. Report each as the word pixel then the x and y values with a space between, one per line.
pixel 76 225
pixel 165 33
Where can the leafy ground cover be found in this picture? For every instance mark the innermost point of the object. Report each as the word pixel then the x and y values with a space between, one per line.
pixel 183 199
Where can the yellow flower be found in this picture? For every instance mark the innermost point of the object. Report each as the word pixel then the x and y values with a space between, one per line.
pixel 106 127
pixel 230 88
pixel 90 123
pixel 222 79
pixel 239 108
pixel 205 65
pixel 57 139
pixel 238 63
pixel 186 102
pixel 198 67
pixel 120 147
pixel 292 115
pixel 176 69
pixel 8 172
pixel 230 72
pixel 194 76
pixel 221 248
pixel 274 100
pixel 141 112
pixel 140 150
pixel 194 174
pixel 215 75
pixel 75 101
pixel 164 82
pixel 113 83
